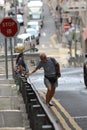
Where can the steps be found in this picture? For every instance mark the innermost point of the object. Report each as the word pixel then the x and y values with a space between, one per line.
pixel 12 109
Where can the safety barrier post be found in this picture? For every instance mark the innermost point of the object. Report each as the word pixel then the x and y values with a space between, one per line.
pixel 35 109
pixel 40 120
pixel 32 100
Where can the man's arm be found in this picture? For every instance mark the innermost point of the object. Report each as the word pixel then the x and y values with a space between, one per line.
pixel 33 71
pixel 58 70
pixel 38 67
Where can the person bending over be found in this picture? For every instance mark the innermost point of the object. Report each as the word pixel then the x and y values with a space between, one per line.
pixel 50 77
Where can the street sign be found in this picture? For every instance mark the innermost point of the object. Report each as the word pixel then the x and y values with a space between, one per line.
pixel 66 26
pixel 9 27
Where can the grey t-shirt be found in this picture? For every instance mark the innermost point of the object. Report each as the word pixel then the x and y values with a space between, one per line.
pixel 48 66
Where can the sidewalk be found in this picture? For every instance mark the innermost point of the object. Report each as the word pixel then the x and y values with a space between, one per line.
pixel 12 108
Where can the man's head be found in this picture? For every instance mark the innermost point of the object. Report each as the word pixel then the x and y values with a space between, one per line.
pixel 43 57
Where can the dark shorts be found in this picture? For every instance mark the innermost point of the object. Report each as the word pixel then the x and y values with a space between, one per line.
pixel 48 83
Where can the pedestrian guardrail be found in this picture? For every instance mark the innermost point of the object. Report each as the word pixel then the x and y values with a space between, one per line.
pixel 37 114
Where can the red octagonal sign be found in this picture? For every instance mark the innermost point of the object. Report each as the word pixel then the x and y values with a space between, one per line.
pixel 9 27
pixel 66 26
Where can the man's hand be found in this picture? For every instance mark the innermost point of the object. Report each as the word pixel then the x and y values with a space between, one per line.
pixel 30 73
pixel 59 75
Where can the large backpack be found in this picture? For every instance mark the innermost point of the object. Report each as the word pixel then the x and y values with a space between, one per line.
pixel 57 67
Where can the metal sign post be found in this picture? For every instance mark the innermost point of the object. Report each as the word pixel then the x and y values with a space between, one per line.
pixel 9 28
pixel 6 59
pixel 12 57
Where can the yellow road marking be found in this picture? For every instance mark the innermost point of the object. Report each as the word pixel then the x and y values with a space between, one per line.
pixel 59 116
pixel 61 119
pixel 71 120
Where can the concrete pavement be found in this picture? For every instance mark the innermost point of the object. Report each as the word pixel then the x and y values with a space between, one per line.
pixel 11 104
pixel 12 109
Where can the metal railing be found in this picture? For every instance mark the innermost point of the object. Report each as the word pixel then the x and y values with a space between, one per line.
pixel 39 117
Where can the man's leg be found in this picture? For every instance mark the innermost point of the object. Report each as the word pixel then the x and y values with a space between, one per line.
pixel 52 93
pixel 49 94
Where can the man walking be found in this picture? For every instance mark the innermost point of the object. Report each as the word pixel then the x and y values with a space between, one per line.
pixel 50 77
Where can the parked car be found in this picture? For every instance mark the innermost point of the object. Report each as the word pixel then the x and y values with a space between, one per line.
pixel 24 37
pixel 33 32
pixel 35 6
pixel 20 19
pixel 35 25
pixel 36 11
pixel 37 17
pixel 27 40
pixel 34 0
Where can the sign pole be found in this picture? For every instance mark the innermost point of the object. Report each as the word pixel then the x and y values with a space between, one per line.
pixel 9 27
pixel 6 59
pixel 12 58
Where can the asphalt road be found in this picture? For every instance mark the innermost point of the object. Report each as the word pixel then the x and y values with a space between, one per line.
pixel 71 93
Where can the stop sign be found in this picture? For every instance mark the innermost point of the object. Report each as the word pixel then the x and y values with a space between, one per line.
pixel 66 27
pixel 9 27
